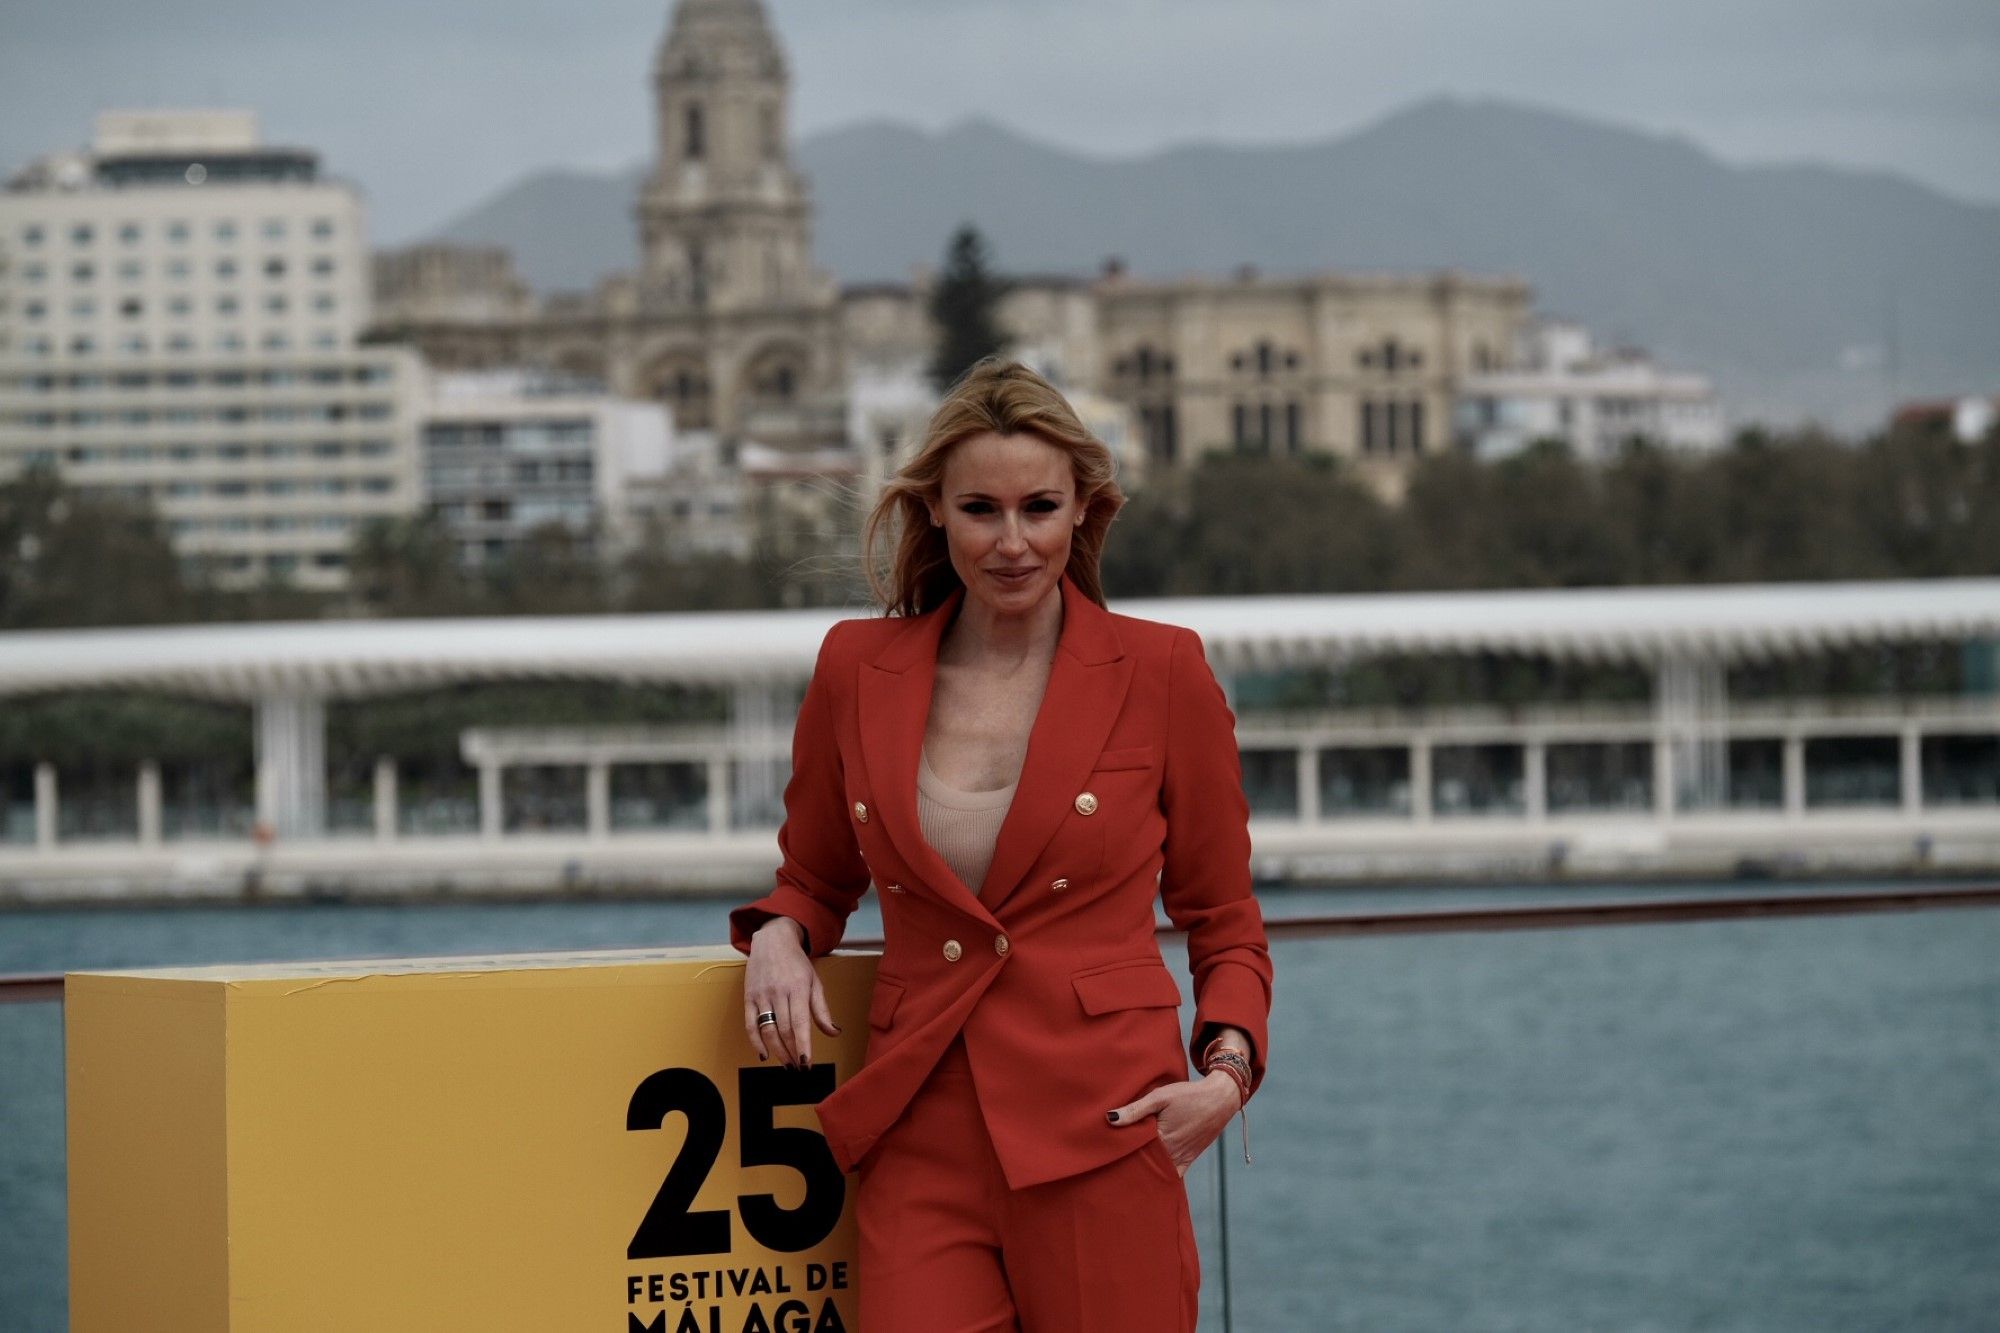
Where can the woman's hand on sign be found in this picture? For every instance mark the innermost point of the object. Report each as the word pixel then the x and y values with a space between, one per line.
pixel 781 980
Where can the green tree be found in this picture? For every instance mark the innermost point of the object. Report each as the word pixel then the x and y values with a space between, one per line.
pixel 552 570
pixel 77 557
pixel 964 306
pixel 1247 525
pixel 408 566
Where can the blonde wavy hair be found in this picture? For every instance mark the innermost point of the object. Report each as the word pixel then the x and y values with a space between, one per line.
pixel 1009 399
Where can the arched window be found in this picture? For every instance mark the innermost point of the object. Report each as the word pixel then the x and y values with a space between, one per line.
pixel 695 133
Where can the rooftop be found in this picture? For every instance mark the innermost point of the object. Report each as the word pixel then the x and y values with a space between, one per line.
pixel 1734 622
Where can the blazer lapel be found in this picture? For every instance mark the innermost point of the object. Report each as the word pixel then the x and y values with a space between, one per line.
pixel 894 703
pixel 1086 690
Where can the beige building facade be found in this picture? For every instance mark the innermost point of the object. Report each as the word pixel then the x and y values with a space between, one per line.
pixel 730 325
pixel 726 321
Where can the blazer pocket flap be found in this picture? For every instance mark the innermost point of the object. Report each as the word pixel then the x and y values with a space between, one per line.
pixel 1133 756
pixel 882 1004
pixel 1126 986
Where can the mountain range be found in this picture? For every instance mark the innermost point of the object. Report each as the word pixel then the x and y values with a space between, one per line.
pixel 1804 291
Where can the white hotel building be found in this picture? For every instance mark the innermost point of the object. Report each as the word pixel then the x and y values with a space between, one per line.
pixel 179 311
pixel 1561 385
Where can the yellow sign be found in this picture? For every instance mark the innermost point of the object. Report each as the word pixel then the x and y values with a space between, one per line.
pixel 561 1143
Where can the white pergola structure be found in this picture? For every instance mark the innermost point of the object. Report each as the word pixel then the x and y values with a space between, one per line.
pixel 1687 636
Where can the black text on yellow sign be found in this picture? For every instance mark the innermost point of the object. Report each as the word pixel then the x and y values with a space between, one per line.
pixel 529 1142
pixel 673 1228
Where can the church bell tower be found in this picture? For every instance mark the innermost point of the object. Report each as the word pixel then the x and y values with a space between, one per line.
pixel 725 220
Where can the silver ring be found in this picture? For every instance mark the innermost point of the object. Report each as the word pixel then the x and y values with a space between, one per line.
pixel 767 1017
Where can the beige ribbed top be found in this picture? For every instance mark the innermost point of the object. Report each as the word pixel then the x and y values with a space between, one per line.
pixel 961 825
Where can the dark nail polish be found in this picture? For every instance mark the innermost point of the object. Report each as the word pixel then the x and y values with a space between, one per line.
pixel 1112 1116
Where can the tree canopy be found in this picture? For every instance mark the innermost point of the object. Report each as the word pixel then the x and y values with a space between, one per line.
pixel 965 307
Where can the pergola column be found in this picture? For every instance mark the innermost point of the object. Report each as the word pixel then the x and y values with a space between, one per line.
pixel 291 764
pixel 719 795
pixel 1535 778
pixel 489 799
pixel 753 719
pixel 1795 774
pixel 1690 700
pixel 45 806
pixel 149 803
pixel 385 798
pixel 1309 783
pixel 1420 779
pixel 597 798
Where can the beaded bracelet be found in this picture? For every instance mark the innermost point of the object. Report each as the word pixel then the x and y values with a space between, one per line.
pixel 1232 1060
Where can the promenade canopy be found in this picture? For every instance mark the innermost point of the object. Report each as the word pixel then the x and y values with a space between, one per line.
pixel 353 658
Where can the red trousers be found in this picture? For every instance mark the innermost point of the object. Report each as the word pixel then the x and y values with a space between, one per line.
pixel 946 1247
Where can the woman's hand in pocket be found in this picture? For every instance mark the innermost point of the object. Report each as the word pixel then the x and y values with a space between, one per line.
pixel 1187 1116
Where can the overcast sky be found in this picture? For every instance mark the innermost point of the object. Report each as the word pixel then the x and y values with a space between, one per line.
pixel 433 106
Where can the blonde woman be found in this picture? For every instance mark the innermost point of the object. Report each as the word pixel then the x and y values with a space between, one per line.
pixel 1021 773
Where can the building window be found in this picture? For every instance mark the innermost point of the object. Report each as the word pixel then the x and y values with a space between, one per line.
pixel 1415 409
pixel 131 270
pixel 696 132
pixel 82 272
pixel 129 233
pixel 274 229
pixel 322 228
pixel 1239 424
pixel 81 234
pixel 225 268
pixel 322 266
pixel 1292 426
pixel 1369 428
pixel 225 230
pixel 31 235
pixel 131 307
pixel 1389 356
pixel 177 232
pixel 274 267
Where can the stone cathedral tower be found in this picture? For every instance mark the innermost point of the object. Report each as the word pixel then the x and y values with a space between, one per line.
pixel 741 331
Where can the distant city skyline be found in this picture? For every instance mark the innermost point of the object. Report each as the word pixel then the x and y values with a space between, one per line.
pixel 431 110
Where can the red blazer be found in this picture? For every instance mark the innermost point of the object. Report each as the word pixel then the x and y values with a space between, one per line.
pixel 1051 969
